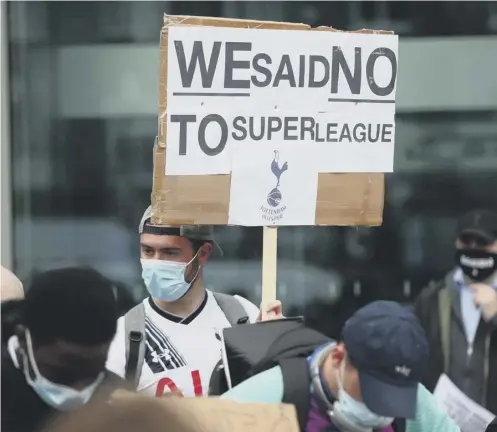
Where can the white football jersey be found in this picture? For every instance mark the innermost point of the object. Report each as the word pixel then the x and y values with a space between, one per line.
pixel 180 354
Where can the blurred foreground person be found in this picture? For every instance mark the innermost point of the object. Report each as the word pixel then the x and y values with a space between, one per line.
pixel 10 285
pixel 135 414
pixel 369 381
pixel 55 359
pixel 170 342
pixel 459 314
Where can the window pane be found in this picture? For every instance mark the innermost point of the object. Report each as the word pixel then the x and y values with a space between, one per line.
pixel 81 184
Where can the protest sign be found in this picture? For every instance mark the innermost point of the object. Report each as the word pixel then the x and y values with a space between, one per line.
pixel 129 411
pixel 216 415
pixel 298 131
pixel 252 133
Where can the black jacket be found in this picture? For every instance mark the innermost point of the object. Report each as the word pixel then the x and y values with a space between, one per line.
pixel 22 410
pixel 480 372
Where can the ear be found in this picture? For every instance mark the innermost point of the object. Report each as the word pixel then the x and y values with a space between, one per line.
pixel 204 253
pixel 338 354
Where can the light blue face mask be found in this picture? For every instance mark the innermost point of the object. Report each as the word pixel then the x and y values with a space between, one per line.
pixel 357 412
pixel 58 396
pixel 165 280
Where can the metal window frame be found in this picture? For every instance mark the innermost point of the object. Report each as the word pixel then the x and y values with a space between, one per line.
pixel 6 215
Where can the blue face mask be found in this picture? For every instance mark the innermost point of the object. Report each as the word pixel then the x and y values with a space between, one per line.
pixel 165 280
pixel 357 412
pixel 58 396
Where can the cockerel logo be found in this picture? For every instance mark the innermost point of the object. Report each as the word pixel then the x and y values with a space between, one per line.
pixel 274 197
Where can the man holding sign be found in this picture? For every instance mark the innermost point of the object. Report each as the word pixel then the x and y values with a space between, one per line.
pixel 170 342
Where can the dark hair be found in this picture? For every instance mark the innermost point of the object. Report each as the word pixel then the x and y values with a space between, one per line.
pixel 197 244
pixel 72 304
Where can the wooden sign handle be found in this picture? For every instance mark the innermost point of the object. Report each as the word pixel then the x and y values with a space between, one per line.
pixel 269 265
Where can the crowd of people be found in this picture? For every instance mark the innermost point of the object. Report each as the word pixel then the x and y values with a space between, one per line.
pixel 66 352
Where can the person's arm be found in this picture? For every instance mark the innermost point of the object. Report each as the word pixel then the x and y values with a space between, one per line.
pixel 421 306
pixel 265 387
pixel 429 415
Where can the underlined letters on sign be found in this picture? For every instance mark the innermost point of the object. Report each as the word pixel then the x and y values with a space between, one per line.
pixel 333 93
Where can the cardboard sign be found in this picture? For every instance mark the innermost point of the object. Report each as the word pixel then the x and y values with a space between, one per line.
pixel 131 412
pixel 250 132
pixel 216 415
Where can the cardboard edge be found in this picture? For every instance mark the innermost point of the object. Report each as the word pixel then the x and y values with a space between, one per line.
pixel 227 22
pixel 160 180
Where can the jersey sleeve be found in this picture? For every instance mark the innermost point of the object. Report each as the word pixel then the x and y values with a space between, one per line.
pixel 429 415
pixel 116 359
pixel 251 309
pixel 265 387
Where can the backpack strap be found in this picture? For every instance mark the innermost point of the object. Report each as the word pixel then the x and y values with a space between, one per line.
pixel 444 313
pixel 297 387
pixel 134 331
pixel 232 308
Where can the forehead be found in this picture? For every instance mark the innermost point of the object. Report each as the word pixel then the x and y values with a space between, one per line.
pixel 164 241
pixel 476 242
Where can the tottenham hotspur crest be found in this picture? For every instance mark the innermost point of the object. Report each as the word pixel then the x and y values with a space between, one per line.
pixel 274 212
pixel 274 197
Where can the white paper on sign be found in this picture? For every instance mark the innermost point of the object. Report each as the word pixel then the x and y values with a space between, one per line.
pixel 467 414
pixel 227 87
pixel 343 139
pixel 272 184
pixel 296 69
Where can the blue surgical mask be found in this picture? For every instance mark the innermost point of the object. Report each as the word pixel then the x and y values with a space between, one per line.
pixel 58 396
pixel 357 412
pixel 165 280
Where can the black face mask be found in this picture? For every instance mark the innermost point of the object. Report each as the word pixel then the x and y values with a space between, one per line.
pixel 476 264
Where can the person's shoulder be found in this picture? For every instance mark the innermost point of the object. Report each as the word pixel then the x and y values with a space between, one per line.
pixel 251 309
pixel 110 384
pixel 265 387
pixel 113 380
pixel 120 329
pixel 430 291
pixel 116 357
pixel 121 322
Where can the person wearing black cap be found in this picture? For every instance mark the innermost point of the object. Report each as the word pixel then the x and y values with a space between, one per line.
pixel 170 342
pixel 369 381
pixel 459 313
pixel 55 347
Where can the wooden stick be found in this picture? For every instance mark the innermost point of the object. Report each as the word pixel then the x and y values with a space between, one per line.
pixel 269 265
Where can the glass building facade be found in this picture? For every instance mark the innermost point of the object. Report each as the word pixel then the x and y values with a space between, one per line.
pixel 82 98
